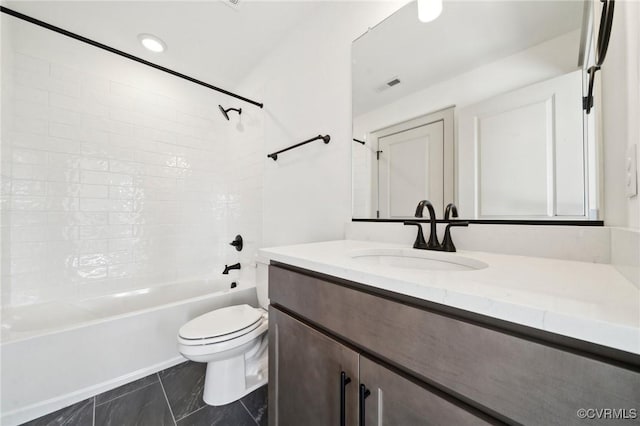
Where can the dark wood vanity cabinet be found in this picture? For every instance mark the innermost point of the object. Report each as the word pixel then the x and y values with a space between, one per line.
pixel 418 366
pixel 305 367
pixel 316 380
pixel 396 400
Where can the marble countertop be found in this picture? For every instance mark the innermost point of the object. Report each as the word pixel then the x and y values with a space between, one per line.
pixel 587 301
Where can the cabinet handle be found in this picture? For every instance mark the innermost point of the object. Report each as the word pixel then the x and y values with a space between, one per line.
pixel 364 393
pixel 344 381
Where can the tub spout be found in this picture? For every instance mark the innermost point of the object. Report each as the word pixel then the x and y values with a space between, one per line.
pixel 228 268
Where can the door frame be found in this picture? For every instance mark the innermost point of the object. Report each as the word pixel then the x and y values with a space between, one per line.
pixel 446 116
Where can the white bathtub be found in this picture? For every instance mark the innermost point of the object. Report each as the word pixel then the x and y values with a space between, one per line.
pixel 58 353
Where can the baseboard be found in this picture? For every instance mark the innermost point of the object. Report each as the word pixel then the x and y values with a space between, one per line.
pixel 25 414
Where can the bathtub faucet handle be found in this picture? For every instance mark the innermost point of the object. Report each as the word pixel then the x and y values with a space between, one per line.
pixel 228 268
pixel 237 242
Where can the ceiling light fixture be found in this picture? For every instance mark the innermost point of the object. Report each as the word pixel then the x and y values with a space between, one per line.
pixel 152 43
pixel 428 10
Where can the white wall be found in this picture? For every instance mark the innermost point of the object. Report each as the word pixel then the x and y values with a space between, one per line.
pixel 620 111
pixel 305 84
pixel 363 179
pixel 114 175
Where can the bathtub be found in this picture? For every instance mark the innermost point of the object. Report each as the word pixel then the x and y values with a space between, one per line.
pixel 58 353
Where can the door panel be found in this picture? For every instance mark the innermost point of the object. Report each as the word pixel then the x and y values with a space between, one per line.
pixel 305 367
pixel 515 171
pixel 395 401
pixel 522 153
pixel 411 168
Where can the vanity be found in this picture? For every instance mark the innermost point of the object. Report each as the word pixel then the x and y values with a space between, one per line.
pixel 380 334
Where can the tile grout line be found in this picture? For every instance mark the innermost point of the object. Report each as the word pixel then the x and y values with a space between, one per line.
pixel 94 411
pixel 167 400
pixel 193 412
pixel 124 394
pixel 250 415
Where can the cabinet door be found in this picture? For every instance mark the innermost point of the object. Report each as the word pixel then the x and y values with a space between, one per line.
pixel 305 366
pixel 396 401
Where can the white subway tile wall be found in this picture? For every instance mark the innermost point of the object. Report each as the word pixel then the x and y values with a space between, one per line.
pixel 109 186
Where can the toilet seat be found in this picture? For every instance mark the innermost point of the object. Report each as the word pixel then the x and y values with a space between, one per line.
pixel 191 350
pixel 221 325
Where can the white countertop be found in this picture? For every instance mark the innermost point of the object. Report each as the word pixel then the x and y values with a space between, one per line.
pixel 587 301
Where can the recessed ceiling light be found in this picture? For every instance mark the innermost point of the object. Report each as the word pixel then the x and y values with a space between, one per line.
pixel 152 43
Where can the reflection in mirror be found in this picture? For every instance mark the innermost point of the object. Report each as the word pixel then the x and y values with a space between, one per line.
pixel 482 107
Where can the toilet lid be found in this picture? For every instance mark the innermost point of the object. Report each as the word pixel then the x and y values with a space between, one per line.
pixel 220 322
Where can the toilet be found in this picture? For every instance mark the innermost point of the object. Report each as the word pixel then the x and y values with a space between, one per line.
pixel 233 342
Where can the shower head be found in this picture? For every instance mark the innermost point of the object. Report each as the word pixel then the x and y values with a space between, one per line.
pixel 226 111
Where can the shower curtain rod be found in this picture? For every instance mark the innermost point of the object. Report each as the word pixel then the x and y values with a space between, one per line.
pixel 123 54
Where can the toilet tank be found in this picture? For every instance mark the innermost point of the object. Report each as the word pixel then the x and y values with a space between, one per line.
pixel 262 281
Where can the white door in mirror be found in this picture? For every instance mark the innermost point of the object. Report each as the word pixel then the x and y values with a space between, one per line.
pixel 410 169
pixel 631 169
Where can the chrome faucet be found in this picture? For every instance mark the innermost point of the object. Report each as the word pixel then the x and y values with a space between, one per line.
pixel 228 268
pixel 433 243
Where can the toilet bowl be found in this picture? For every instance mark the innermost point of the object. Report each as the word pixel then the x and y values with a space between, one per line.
pixel 233 343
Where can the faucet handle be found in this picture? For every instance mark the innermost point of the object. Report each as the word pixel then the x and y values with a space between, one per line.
pixel 237 242
pixel 447 243
pixel 450 209
pixel 420 243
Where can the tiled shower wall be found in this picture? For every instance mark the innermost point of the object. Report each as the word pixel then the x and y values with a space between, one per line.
pixel 114 175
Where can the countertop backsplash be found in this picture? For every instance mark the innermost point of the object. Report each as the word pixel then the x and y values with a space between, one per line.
pixel 581 243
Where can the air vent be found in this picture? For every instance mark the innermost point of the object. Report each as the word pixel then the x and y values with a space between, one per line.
pixel 393 81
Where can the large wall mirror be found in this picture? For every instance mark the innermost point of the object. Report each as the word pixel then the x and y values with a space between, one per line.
pixel 482 107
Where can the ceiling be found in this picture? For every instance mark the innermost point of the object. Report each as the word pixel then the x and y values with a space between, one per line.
pixel 209 40
pixel 467 35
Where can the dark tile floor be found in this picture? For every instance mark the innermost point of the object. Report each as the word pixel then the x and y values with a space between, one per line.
pixel 172 397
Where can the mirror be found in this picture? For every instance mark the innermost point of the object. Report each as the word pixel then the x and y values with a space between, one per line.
pixel 481 107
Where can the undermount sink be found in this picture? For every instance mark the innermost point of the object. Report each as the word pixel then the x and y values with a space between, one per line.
pixel 415 259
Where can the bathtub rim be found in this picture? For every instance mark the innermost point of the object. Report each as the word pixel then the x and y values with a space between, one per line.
pixel 75 326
